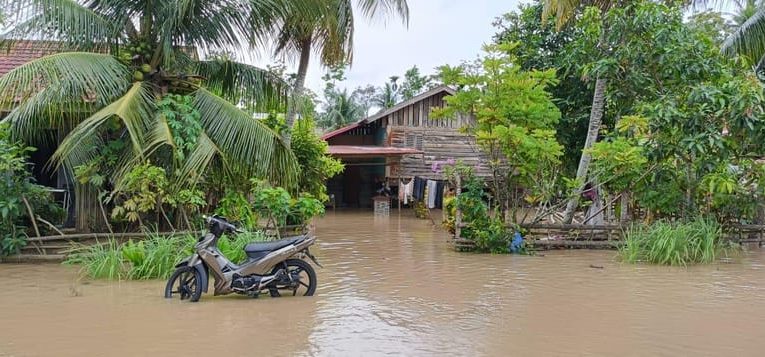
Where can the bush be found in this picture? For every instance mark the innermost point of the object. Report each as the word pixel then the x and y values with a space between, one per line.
pixel 16 185
pixel 698 241
pixel 152 258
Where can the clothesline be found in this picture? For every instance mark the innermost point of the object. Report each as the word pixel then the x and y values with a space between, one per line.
pixel 431 192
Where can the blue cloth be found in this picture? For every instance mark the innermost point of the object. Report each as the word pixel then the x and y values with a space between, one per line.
pixel 517 243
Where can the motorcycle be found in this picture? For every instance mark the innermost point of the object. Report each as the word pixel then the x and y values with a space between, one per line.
pixel 270 266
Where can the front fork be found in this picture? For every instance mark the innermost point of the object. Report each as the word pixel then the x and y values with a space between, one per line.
pixel 196 262
pixel 308 254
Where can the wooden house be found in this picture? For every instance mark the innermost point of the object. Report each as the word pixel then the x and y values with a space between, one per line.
pixel 56 181
pixel 399 143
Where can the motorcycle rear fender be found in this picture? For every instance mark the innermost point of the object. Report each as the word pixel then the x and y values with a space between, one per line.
pixel 199 265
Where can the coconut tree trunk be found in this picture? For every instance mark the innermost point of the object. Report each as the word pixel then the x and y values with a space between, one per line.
pixel 297 92
pixel 596 117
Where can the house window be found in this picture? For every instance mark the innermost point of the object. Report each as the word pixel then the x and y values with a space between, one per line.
pixel 413 141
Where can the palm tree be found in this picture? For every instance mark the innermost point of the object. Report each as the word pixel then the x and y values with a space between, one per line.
pixel 329 33
pixel 748 40
pixel 564 10
pixel 388 95
pixel 342 109
pixel 120 58
pixel 745 10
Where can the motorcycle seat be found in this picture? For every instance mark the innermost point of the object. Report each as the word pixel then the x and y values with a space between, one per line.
pixel 272 246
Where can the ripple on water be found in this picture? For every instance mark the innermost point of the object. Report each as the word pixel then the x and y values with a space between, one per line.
pixel 392 286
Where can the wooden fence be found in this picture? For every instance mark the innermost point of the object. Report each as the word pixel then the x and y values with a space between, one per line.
pixel 579 236
pixel 54 248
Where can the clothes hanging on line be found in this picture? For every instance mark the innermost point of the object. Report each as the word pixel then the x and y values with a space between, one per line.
pixel 418 191
pixel 405 191
pixel 439 202
pixel 432 193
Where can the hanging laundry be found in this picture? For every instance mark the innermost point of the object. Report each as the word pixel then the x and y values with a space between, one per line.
pixel 418 192
pixel 405 191
pixel 432 188
pixel 440 194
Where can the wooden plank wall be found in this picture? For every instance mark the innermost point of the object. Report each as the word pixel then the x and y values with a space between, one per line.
pixel 439 139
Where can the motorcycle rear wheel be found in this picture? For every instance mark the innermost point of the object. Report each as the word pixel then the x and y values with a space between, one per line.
pixel 306 284
pixel 184 283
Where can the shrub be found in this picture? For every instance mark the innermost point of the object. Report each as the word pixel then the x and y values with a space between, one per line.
pixel 152 258
pixel 698 241
pixel 17 185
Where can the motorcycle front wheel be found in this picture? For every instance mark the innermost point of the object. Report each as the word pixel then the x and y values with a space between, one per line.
pixel 303 280
pixel 184 283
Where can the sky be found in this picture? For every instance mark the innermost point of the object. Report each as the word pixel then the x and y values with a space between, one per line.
pixel 439 32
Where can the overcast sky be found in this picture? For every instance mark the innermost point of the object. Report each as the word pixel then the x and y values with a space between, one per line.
pixel 440 32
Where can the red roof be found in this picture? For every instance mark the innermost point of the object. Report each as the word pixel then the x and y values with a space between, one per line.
pixel 342 130
pixel 350 150
pixel 22 52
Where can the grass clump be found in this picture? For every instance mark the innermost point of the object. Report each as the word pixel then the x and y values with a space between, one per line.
pixel 152 258
pixel 100 260
pixel 695 242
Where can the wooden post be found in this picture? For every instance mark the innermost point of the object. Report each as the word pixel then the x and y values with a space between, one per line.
pixel 31 214
pixel 399 193
pixel 457 211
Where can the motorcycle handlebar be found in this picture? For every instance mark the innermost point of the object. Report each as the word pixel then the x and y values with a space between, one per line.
pixel 228 226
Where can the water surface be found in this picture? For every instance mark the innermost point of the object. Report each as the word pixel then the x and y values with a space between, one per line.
pixel 392 286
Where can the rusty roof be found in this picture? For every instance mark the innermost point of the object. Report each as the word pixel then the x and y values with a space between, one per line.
pixel 21 52
pixel 342 130
pixel 367 151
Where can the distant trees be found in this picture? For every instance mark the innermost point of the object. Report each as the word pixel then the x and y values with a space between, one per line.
pixel 341 108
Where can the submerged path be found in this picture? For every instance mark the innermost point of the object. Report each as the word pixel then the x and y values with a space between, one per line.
pixel 393 286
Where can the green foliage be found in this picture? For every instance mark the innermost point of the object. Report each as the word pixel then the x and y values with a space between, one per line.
pixel 152 258
pixel 281 209
pixel 183 120
pixel 316 166
pixel 698 241
pixel 232 246
pixel 156 256
pixel 303 209
pixel 490 234
pixel 621 161
pixel 99 261
pixel 540 46
pixel 16 185
pixel 515 119
pixel 271 202
pixel 149 98
pixel 421 210
pixel 236 207
pixel 143 190
pixel 685 117
pixel 414 83
pixel 340 109
pixel 450 211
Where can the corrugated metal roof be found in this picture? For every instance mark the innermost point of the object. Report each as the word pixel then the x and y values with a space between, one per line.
pixel 388 111
pixel 409 102
pixel 342 130
pixel 350 150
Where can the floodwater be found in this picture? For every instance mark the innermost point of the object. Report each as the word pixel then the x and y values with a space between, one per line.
pixel 392 286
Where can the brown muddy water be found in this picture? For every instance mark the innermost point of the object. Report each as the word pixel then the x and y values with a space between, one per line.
pixel 392 286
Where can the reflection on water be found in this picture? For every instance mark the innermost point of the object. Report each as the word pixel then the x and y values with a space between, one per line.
pixel 393 286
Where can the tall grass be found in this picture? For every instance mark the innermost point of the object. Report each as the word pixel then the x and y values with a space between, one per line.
pixel 152 258
pixel 695 242
pixel 232 246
